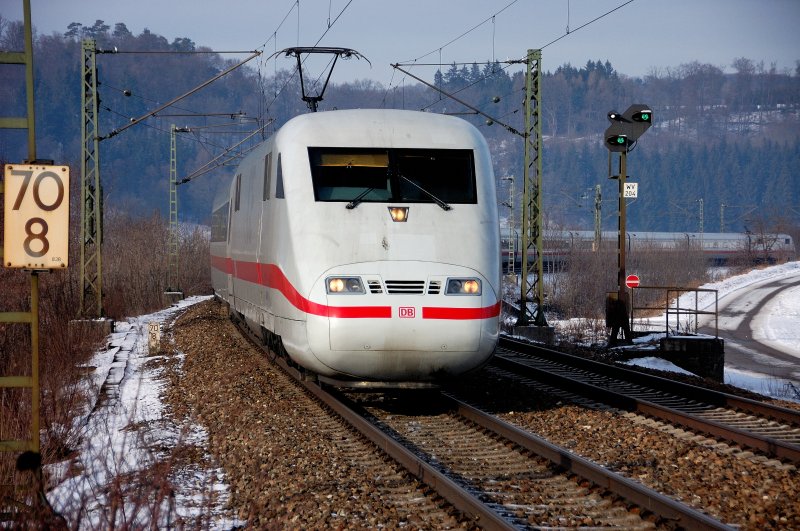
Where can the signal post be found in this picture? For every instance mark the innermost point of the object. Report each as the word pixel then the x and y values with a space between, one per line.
pixel 621 137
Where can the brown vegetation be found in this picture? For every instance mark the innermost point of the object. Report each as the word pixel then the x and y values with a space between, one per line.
pixel 134 277
pixel 587 276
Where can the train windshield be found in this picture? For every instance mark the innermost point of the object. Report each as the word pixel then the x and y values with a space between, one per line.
pixel 356 175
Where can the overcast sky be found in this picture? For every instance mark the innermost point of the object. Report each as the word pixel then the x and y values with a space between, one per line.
pixel 637 38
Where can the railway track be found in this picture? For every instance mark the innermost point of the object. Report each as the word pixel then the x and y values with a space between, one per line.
pixel 686 473
pixel 500 476
pixel 771 430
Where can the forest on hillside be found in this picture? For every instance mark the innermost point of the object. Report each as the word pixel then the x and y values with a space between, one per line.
pixel 724 151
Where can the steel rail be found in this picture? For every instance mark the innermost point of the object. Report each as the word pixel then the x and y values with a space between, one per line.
pixel 460 498
pixel 716 398
pixel 483 515
pixel 682 515
pixel 767 445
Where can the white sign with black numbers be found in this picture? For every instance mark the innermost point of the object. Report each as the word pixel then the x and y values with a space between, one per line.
pixel 36 207
pixel 153 337
pixel 631 190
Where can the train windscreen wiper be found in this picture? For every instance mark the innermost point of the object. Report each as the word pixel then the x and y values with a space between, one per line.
pixel 359 198
pixel 435 199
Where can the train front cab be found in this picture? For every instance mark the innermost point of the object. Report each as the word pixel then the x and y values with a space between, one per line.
pixel 403 241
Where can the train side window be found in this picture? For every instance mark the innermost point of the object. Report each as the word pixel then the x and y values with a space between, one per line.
pixel 267 173
pixel 238 192
pixel 279 180
pixel 219 223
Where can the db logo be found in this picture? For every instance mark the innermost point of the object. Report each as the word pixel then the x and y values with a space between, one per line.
pixel 407 312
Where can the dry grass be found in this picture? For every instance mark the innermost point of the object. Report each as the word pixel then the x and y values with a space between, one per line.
pixel 134 277
pixel 579 291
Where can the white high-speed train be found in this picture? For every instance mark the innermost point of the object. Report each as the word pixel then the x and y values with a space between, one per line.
pixel 365 243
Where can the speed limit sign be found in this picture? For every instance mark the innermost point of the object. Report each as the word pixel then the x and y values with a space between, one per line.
pixel 36 206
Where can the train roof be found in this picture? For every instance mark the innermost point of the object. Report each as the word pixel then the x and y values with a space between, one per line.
pixel 380 128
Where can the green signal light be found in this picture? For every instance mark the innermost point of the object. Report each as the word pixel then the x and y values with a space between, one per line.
pixel 620 140
pixel 645 117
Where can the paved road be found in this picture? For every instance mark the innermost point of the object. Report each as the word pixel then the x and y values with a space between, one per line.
pixel 747 319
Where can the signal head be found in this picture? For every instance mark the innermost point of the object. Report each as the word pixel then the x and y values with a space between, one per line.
pixel 631 124
pixel 643 116
pixel 617 137
pixel 618 142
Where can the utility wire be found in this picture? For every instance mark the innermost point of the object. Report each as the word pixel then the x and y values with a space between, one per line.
pixel 171 52
pixel 413 62
pixel 204 142
pixel 478 25
pixel 568 32
pixel 208 166
pixel 164 106
pixel 295 3
pixel 465 104
pixel 277 93
pixel 128 93
pixel 409 62
pixel 296 68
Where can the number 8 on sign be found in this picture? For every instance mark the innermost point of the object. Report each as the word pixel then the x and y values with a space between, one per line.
pixel 36 207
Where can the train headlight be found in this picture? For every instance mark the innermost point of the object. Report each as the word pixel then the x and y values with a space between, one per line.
pixel 463 286
pixel 344 285
pixel 399 214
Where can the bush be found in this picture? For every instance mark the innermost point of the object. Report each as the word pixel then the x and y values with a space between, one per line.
pixel 580 289
pixel 134 278
pixel 136 262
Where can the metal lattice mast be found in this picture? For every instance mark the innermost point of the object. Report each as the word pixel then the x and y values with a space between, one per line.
pixel 172 273
pixel 532 288
pixel 23 58
pixel 91 193
pixel 30 380
pixel 597 218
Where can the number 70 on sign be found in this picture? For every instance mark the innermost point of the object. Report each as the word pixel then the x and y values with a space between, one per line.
pixel 36 208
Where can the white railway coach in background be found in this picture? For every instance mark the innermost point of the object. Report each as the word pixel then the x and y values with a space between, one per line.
pixel 365 243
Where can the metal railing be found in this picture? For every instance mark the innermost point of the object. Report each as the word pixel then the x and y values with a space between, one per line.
pixel 673 310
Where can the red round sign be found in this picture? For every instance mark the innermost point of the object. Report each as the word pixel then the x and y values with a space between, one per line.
pixel 632 281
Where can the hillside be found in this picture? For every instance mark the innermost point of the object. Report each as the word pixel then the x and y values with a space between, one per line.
pixel 722 145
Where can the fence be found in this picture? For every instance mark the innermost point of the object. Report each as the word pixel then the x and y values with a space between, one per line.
pixel 672 308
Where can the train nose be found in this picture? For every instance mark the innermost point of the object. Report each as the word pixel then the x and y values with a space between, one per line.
pixel 414 327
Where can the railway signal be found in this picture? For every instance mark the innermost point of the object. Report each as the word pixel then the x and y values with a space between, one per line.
pixel 627 127
pixel 620 137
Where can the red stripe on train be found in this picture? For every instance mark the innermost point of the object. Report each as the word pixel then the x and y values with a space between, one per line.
pixel 461 313
pixel 271 276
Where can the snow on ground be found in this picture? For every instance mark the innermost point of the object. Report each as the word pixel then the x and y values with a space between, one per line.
pixel 778 324
pixel 127 434
pixel 126 431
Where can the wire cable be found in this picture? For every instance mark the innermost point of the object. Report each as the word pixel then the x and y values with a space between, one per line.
pixel 478 25
pixel 295 70
pixel 586 24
